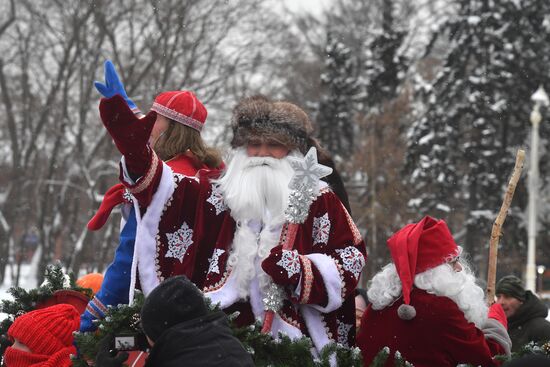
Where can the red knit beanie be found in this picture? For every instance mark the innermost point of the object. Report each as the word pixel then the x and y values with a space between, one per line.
pixel 47 332
pixel 181 106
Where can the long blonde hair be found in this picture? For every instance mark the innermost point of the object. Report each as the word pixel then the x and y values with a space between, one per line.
pixel 178 138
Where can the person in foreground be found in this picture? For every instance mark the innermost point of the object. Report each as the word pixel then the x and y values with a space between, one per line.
pixel 427 306
pixel 226 233
pixel 182 331
pixel 176 138
pixel 43 338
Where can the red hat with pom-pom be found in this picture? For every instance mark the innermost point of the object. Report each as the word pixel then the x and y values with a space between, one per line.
pixel 181 106
pixel 418 247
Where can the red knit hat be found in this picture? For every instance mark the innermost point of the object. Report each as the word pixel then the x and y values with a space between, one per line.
pixel 181 106
pixel 416 248
pixel 48 330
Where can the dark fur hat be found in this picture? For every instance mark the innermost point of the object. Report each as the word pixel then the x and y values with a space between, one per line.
pixel 259 117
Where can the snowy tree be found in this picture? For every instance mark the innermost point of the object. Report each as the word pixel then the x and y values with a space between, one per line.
pixel 336 127
pixel 384 111
pixel 461 147
pixel 56 159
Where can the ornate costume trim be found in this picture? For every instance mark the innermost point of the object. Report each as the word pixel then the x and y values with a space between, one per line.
pixel 149 175
pixel 353 260
pixel 357 238
pixel 179 242
pixel 146 235
pixel 321 229
pixel 316 326
pixel 216 199
pixel 307 277
pixel 176 116
pixel 331 279
pixel 220 283
pixel 93 312
pixel 290 261
pixel 99 305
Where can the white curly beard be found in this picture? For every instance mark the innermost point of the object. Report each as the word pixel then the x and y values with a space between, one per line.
pixel 255 186
pixel 443 280
pixel 256 191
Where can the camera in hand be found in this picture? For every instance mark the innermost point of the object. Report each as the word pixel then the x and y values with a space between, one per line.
pixel 131 341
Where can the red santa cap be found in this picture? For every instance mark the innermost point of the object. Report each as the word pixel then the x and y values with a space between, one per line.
pixel 418 247
pixel 181 106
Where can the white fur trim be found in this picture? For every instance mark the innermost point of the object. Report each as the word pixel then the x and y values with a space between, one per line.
pixel 331 278
pixel 227 294
pixel 315 326
pixel 147 229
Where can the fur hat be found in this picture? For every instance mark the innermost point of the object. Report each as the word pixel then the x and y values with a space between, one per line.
pixel 48 333
pixel 416 248
pixel 511 285
pixel 181 106
pixel 259 117
pixel 172 302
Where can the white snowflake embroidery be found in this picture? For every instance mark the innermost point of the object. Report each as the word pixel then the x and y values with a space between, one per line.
pixel 352 260
pixel 214 268
pixel 216 199
pixel 343 332
pixel 290 261
pixel 179 241
pixel 321 229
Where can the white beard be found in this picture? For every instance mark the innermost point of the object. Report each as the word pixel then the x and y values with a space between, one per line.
pixel 256 191
pixel 255 186
pixel 443 280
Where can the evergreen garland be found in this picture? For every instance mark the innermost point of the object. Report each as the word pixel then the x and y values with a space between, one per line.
pixel 25 301
pixel 124 319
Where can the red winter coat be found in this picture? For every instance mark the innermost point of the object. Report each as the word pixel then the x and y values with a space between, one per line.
pixel 439 335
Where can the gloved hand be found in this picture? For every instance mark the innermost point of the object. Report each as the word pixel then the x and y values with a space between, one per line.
pixel 113 86
pixel 106 356
pixel 283 266
pixel 497 312
pixel 129 133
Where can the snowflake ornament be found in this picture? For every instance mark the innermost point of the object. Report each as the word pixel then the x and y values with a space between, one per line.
pixel 352 260
pixel 321 229
pixel 307 171
pixel 179 241
pixel 216 199
pixel 273 300
pixel 214 267
pixel 290 261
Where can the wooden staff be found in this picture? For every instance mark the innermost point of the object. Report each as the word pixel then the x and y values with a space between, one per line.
pixel 497 226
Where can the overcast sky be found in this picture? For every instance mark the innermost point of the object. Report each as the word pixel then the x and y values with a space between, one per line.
pixel 313 6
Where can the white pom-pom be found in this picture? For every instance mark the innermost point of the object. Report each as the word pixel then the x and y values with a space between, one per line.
pixel 406 312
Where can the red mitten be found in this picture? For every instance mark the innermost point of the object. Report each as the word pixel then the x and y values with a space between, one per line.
pixel 283 266
pixel 496 312
pixel 129 133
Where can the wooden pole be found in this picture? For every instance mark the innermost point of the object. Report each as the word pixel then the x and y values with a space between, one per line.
pixel 497 226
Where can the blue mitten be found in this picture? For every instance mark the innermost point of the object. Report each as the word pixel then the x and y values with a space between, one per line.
pixel 116 283
pixel 113 86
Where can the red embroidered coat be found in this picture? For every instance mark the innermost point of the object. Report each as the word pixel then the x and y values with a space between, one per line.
pixel 439 335
pixel 185 228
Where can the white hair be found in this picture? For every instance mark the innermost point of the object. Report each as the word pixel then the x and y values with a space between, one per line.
pixel 256 190
pixel 385 288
